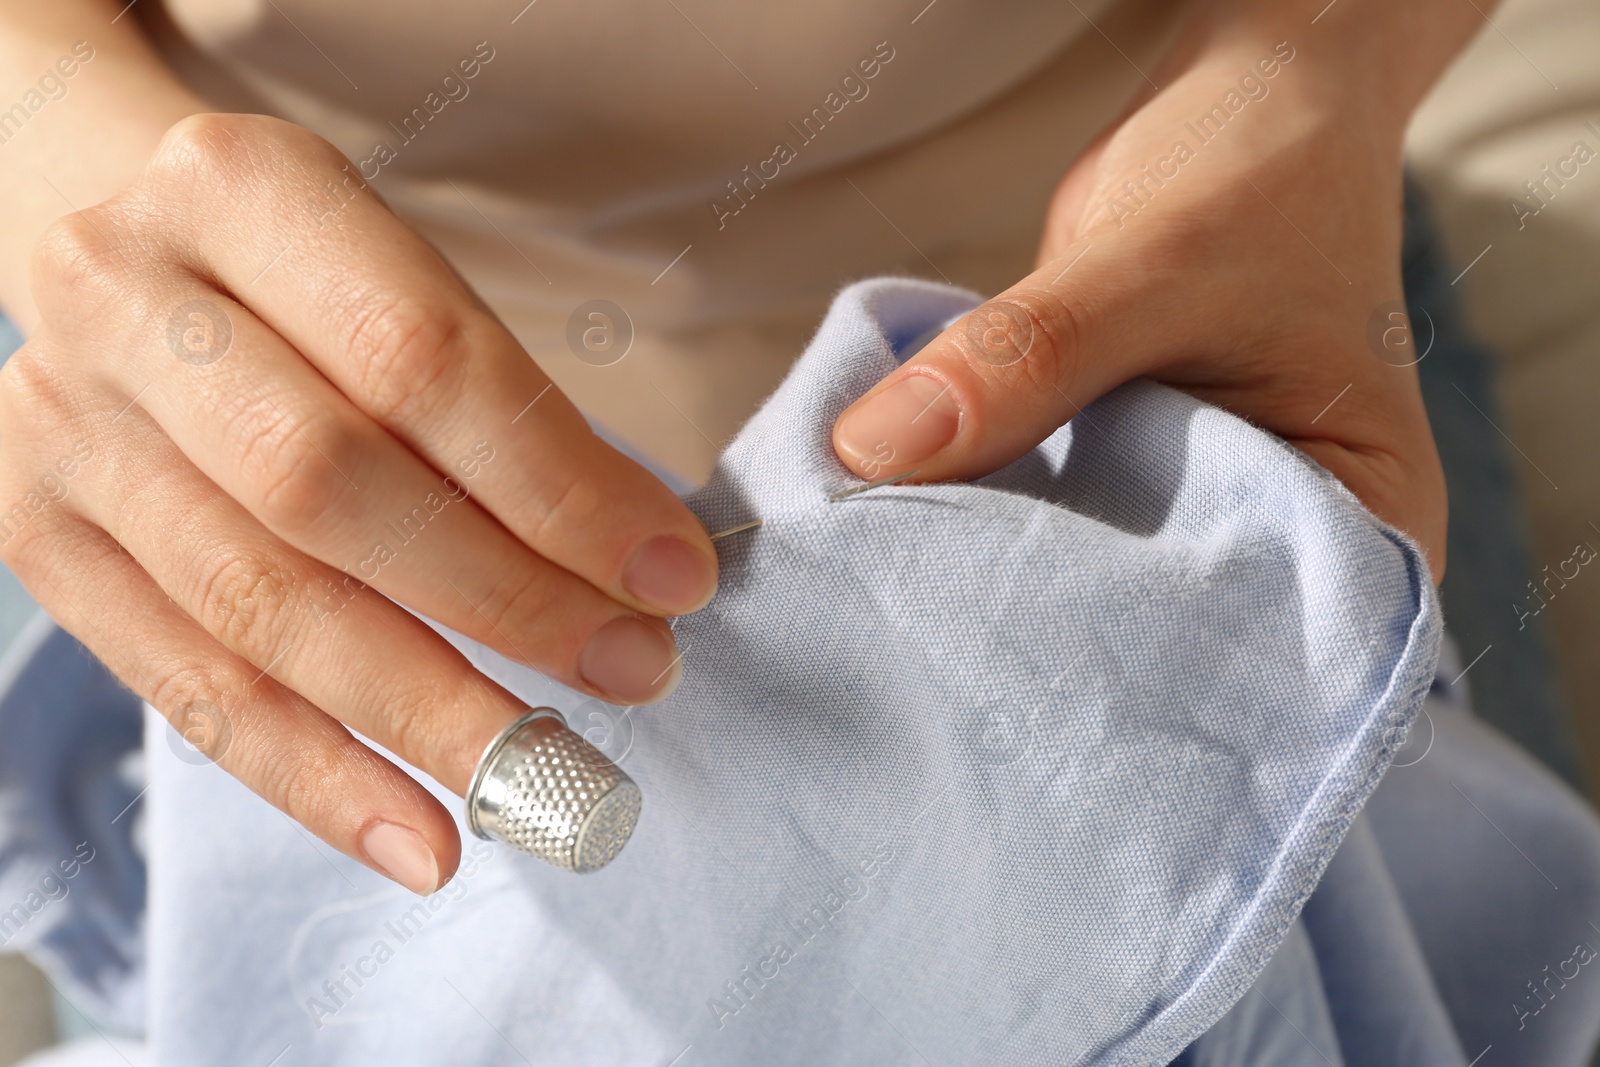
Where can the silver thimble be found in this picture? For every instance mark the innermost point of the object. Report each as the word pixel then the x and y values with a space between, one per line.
pixel 543 789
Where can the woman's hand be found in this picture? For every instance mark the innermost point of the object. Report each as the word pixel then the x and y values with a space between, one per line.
pixel 1236 235
pixel 253 393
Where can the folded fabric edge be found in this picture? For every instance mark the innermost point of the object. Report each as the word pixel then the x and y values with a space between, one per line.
pixel 1310 845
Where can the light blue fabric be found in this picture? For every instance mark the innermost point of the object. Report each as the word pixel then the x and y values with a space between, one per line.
pixel 1457 924
pixel 1495 867
pixel 1050 763
pixel 1036 771
pixel 1284 1021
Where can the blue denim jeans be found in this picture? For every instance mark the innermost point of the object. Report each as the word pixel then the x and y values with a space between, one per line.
pixel 1516 687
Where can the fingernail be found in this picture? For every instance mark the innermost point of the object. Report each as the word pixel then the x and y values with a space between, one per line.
pixel 669 575
pixel 901 426
pixel 403 855
pixel 631 661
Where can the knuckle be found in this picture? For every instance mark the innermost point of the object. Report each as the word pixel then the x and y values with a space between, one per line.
pixel 297 472
pixel 413 728
pixel 190 696
pixel 1029 338
pixel 45 447
pixel 411 359
pixel 209 164
pixel 571 507
pixel 31 549
pixel 302 785
pixel 228 733
pixel 180 686
pixel 17 549
pixel 35 382
pixel 246 603
pixel 1053 357
pixel 208 150
pixel 77 257
pixel 515 602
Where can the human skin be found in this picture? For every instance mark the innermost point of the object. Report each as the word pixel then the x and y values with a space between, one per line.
pixel 194 547
pixel 1251 278
pixel 223 403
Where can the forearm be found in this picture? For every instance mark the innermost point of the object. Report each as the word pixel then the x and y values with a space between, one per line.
pixel 71 140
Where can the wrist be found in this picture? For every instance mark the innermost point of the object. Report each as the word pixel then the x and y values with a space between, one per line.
pixel 92 105
pixel 1366 63
pixel 1281 109
pixel 64 174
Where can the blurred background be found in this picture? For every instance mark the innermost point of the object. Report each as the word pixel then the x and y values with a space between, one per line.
pixel 1520 100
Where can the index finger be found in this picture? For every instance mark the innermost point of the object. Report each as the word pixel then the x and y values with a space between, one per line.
pixel 376 310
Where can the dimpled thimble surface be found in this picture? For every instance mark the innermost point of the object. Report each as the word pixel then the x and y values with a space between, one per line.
pixel 543 789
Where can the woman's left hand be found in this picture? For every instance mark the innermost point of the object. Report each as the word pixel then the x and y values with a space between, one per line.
pixel 1237 236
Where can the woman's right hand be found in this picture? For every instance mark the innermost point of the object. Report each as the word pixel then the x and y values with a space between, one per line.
pixel 252 394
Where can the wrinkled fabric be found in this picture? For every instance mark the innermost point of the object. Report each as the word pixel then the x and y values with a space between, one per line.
pixel 1036 770
pixel 1284 1019
pixel 1493 872
pixel 1041 769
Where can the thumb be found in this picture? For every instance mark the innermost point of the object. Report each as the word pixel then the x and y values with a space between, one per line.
pixel 997 382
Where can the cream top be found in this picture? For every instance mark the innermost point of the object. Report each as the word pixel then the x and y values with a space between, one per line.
pixel 714 168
